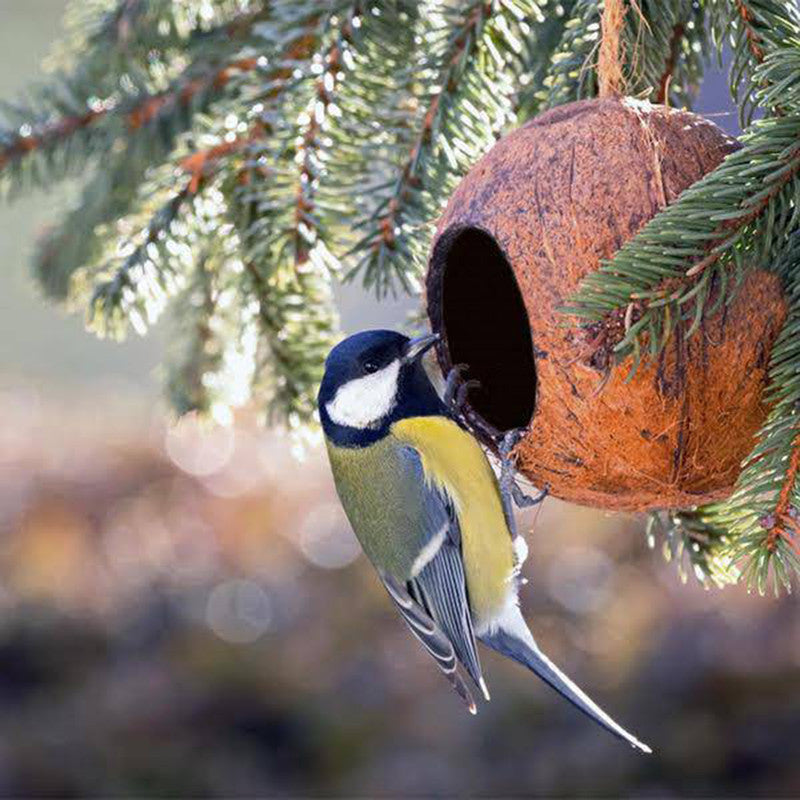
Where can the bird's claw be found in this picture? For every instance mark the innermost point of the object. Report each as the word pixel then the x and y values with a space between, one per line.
pixel 463 390
pixel 523 500
pixel 452 382
pixel 456 390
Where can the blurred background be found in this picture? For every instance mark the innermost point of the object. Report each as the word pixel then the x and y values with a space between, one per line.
pixel 184 611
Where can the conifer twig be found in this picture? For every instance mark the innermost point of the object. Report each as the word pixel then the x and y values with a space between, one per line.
pixel 717 243
pixel 754 41
pixel 409 175
pixel 137 113
pixel 782 518
pixel 26 143
pixel 324 88
pixel 662 93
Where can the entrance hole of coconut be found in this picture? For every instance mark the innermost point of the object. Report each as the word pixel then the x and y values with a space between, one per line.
pixel 476 304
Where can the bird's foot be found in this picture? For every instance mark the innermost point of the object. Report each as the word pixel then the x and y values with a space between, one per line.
pixel 510 440
pixel 523 500
pixel 510 492
pixel 456 389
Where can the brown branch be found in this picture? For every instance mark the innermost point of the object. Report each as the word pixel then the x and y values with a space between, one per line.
pixel 324 88
pixel 148 110
pixel 785 526
pixel 199 165
pixel 61 129
pixel 144 111
pixel 669 67
pixel 407 179
pixel 753 38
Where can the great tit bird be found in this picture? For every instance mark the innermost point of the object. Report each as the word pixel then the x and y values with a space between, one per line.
pixel 426 506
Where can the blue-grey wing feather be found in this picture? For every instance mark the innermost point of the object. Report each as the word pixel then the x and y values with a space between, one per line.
pixel 436 510
pixel 440 585
pixel 429 634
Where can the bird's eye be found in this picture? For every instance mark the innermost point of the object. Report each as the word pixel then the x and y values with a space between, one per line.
pixel 370 366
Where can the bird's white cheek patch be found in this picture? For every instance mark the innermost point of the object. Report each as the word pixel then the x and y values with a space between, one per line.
pixel 362 402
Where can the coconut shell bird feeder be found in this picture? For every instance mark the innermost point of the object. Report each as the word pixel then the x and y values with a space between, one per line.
pixel 529 221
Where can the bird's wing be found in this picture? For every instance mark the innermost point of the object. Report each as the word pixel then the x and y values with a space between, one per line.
pixel 430 635
pixel 437 580
pixel 455 464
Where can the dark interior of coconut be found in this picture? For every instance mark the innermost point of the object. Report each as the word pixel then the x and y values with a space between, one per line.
pixel 475 303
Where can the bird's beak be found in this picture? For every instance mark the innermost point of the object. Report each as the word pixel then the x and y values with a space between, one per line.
pixel 419 346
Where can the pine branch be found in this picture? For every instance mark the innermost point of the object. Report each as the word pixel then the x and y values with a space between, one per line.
pixel 473 53
pixel 139 288
pixel 378 109
pixel 154 269
pixel 572 75
pixel 273 207
pixel 126 44
pixel 137 292
pixel 212 345
pixel 757 28
pixel 761 519
pixel 546 30
pixel 109 41
pixel 780 79
pixel 200 352
pixel 462 44
pixel 682 261
pixel 663 43
pixel 693 544
pixel 282 341
pixel 78 239
pixel 140 112
pixel 308 231
pixel 29 140
pixel 297 324
pixel 668 47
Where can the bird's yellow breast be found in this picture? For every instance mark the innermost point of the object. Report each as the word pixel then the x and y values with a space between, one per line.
pixel 453 461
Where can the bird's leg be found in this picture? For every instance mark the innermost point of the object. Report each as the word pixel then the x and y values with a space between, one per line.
pixel 507 481
pixel 509 489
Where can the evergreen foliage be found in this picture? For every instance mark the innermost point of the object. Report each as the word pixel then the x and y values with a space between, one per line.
pixel 239 156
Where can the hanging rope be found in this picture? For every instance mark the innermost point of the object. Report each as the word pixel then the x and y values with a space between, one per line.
pixel 609 62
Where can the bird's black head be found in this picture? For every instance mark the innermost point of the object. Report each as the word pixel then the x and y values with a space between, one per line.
pixel 372 379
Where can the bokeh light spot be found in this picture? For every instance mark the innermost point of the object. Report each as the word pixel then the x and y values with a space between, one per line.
pixel 198 448
pixel 239 611
pixel 326 538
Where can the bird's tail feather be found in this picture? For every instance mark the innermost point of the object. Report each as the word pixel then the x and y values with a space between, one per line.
pixel 526 652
